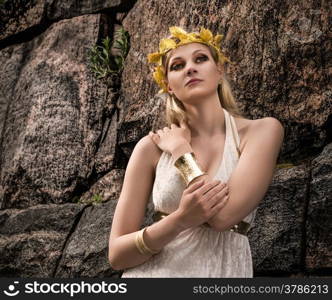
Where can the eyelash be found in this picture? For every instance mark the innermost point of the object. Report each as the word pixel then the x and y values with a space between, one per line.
pixel 204 57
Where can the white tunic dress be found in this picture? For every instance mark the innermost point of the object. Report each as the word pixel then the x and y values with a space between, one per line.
pixel 198 251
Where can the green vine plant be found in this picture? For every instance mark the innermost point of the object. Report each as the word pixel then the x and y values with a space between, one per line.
pixel 108 59
pixel 121 46
pixel 284 165
pixel 95 199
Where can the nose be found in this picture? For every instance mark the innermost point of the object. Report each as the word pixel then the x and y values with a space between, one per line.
pixel 191 70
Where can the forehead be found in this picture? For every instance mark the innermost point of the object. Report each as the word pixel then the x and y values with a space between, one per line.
pixel 187 50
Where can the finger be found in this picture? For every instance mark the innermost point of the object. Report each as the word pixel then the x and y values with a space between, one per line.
pixel 155 137
pixel 208 196
pixel 166 129
pixel 214 196
pixel 221 200
pixel 151 135
pixel 204 189
pixel 195 186
pixel 173 126
pixel 183 124
pixel 218 197
pixel 160 132
pixel 219 206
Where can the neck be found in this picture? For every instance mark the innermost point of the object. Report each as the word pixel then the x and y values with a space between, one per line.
pixel 206 117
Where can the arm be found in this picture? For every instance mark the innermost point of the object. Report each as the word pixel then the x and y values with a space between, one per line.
pixel 253 174
pixel 130 210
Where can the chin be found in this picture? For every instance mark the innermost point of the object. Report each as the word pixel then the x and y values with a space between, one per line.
pixel 197 94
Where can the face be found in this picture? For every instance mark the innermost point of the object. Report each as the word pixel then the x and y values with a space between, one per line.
pixel 192 62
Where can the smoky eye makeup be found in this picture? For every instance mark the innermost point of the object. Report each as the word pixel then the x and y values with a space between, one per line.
pixel 175 65
pixel 201 56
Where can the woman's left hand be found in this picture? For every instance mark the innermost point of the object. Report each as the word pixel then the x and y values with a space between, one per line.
pixel 171 139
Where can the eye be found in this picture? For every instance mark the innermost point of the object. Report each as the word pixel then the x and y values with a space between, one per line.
pixel 175 66
pixel 202 58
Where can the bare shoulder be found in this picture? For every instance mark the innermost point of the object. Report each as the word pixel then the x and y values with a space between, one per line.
pixel 249 128
pixel 149 149
pixel 268 129
pixel 269 124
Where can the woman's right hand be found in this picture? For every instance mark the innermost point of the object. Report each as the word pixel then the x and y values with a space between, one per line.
pixel 201 201
pixel 173 139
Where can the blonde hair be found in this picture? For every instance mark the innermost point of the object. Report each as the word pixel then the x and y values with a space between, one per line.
pixel 175 110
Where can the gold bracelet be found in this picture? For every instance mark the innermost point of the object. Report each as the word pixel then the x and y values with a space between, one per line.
pixel 147 250
pixel 138 242
pixel 189 167
pixel 141 246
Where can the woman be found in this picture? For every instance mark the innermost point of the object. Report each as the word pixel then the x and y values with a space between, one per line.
pixel 206 173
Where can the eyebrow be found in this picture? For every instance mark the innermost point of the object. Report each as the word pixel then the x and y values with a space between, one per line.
pixel 191 53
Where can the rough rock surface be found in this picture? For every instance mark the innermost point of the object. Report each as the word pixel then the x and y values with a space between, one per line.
pixel 52 121
pixel 32 239
pixel 319 212
pixel 277 236
pixel 19 17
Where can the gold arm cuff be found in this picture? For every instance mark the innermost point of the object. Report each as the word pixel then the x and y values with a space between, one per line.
pixel 140 244
pixel 189 167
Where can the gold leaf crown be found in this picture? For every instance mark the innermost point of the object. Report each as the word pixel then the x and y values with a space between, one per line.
pixel 178 38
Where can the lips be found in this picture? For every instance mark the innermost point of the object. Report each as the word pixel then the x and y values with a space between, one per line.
pixel 193 80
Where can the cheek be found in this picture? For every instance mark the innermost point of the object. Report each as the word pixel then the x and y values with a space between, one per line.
pixel 174 81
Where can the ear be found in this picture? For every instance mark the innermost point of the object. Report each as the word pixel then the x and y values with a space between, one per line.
pixel 168 87
pixel 220 70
